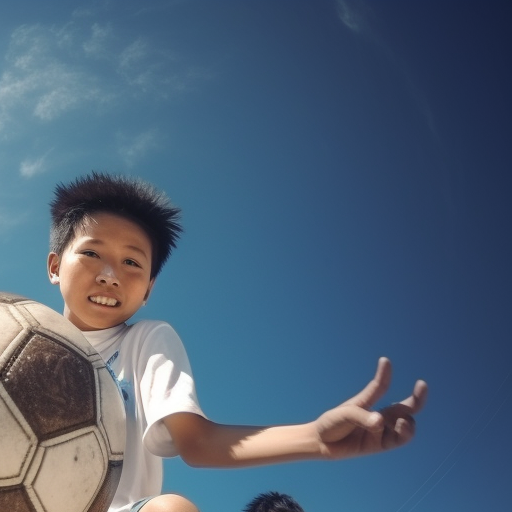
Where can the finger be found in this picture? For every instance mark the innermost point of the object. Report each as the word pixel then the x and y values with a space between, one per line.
pixel 418 398
pixel 400 425
pixel 376 388
pixel 398 432
pixel 408 407
pixel 392 413
pixel 340 422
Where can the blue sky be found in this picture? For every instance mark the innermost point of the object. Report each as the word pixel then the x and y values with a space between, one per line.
pixel 344 171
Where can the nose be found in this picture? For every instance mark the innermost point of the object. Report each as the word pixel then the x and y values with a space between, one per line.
pixel 107 276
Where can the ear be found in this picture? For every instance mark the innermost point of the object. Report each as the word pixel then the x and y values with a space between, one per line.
pixel 53 268
pixel 148 291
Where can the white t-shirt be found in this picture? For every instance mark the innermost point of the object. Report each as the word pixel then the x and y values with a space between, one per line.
pixel 154 374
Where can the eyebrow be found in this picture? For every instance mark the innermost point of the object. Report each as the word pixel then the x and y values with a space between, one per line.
pixel 96 241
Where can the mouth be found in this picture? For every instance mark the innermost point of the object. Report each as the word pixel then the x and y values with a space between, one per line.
pixel 104 301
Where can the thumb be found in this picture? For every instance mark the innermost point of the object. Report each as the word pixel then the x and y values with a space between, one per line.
pixel 338 423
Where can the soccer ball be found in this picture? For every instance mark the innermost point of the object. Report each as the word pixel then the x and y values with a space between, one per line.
pixel 62 420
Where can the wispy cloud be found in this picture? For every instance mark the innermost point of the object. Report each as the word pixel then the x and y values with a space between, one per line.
pixel 31 167
pixel 357 16
pixel 83 69
pixel 40 80
pixel 350 16
pixel 133 55
pixel 51 70
pixel 132 148
pixel 99 42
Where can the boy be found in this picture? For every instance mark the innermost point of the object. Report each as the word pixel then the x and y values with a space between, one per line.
pixel 273 502
pixel 110 237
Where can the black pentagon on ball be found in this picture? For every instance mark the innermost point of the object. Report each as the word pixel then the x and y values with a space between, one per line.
pixel 15 500
pixel 52 385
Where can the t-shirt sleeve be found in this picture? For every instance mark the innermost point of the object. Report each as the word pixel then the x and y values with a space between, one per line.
pixel 166 386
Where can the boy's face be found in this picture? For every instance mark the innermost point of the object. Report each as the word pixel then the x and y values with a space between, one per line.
pixel 104 273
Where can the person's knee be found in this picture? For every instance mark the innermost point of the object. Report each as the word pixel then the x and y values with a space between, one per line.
pixel 169 503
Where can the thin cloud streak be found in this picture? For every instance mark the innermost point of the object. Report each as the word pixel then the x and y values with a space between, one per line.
pixel 349 16
pixel 51 71
pixel 356 16
pixel 98 44
pixel 31 167
pixel 132 149
pixel 40 81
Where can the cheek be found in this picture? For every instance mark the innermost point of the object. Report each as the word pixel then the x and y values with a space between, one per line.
pixel 143 287
pixel 68 276
pixel 71 276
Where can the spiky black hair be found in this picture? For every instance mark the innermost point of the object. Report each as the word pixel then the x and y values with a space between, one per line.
pixel 273 502
pixel 131 198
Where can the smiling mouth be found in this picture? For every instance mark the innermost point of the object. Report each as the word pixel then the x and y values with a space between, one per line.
pixel 104 301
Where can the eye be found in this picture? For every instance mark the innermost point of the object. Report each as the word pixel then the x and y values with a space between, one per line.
pixel 91 254
pixel 132 263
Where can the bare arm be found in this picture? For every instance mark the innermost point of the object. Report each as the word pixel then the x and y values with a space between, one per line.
pixel 349 430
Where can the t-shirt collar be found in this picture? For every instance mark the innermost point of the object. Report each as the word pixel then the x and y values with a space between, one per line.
pixel 103 338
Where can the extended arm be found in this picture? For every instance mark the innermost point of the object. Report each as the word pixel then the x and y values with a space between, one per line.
pixel 349 430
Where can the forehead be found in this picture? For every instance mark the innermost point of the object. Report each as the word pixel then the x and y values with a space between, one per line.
pixel 110 226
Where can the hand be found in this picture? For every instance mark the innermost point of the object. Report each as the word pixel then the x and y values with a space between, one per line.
pixel 351 429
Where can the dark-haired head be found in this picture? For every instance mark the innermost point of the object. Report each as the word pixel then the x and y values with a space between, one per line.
pixel 130 198
pixel 273 502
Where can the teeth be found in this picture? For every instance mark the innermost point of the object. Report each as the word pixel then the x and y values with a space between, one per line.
pixel 105 301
